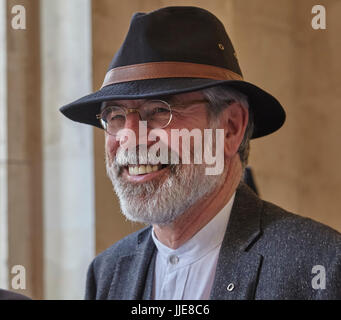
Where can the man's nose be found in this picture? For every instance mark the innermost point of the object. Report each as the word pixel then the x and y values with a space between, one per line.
pixel 135 124
pixel 132 120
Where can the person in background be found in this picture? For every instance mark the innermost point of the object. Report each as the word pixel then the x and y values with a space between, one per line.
pixel 9 295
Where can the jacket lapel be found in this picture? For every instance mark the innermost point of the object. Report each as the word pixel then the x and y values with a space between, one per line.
pixel 130 277
pixel 238 266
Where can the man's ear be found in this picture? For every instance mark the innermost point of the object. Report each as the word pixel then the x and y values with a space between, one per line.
pixel 234 121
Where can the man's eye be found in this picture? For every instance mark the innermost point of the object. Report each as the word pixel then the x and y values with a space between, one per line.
pixel 159 110
pixel 115 117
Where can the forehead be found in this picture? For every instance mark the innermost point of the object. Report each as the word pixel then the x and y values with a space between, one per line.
pixel 179 98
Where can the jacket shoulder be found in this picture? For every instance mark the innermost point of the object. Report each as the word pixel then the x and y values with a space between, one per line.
pixel 295 250
pixel 291 227
pixel 124 246
pixel 101 269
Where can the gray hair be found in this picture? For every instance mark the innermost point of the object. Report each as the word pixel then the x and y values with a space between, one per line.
pixel 217 97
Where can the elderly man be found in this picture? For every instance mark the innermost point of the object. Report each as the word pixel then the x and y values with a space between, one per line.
pixel 208 235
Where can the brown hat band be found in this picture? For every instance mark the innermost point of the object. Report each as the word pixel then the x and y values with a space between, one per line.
pixel 158 70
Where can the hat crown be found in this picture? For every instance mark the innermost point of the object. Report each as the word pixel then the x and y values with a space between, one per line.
pixel 182 34
pixel 176 50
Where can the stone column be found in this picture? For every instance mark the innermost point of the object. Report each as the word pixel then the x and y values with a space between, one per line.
pixel 3 150
pixel 265 40
pixel 24 171
pixel 67 148
pixel 297 167
pixel 317 113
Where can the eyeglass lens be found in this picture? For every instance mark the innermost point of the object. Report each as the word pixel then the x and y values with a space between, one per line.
pixel 157 113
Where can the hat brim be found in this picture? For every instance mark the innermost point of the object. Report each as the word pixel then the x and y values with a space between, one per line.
pixel 268 113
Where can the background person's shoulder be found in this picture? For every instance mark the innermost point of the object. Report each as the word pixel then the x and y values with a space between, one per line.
pixel 9 295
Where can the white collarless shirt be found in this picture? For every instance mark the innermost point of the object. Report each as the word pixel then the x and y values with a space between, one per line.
pixel 187 273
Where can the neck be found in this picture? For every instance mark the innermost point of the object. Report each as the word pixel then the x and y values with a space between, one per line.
pixel 195 218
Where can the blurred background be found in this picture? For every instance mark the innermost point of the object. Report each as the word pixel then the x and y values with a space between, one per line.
pixel 57 207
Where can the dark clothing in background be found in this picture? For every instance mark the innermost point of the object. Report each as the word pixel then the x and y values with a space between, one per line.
pixel 9 295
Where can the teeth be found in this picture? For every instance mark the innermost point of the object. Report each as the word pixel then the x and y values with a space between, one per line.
pixel 134 171
pixel 142 169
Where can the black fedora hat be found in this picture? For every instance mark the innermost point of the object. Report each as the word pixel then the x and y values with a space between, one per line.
pixel 170 51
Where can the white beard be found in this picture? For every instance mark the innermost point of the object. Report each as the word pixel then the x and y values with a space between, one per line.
pixel 156 202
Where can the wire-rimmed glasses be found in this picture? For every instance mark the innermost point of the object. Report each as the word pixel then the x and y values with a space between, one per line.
pixel 157 113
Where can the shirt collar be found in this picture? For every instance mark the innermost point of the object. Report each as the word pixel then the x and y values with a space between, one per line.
pixel 204 241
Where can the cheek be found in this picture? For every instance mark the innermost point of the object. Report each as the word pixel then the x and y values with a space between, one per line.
pixel 111 146
pixel 189 143
pixel 195 123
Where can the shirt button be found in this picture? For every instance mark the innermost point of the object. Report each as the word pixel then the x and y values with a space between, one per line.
pixel 173 259
pixel 230 287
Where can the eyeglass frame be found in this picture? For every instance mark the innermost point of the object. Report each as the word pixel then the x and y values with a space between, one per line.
pixel 132 110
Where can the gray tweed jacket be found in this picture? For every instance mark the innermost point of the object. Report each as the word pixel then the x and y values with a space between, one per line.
pixel 267 253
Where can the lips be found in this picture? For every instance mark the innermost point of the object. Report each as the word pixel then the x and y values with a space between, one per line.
pixel 143 173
